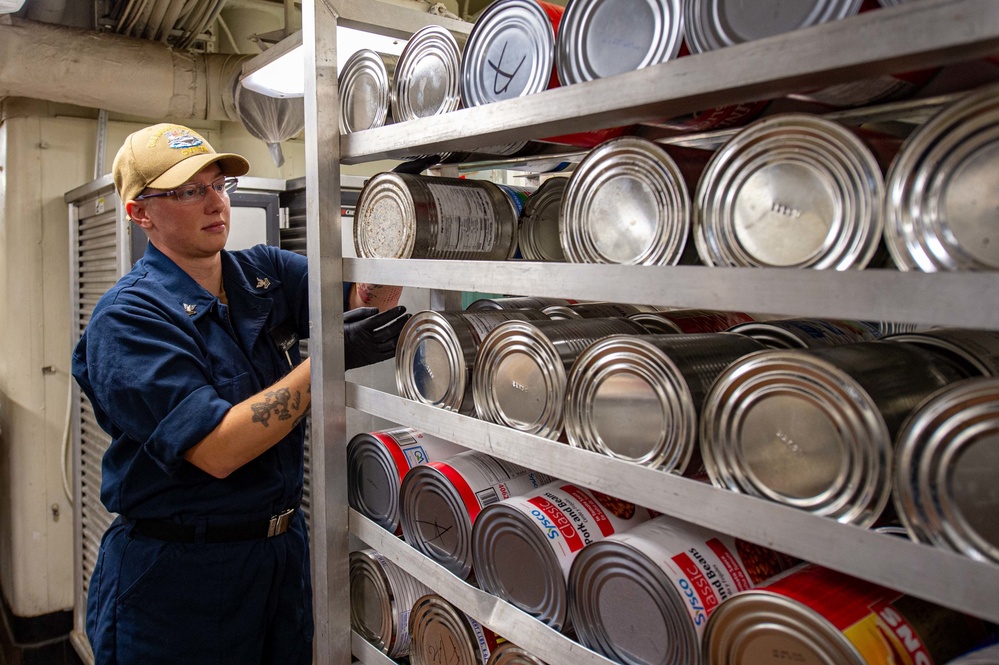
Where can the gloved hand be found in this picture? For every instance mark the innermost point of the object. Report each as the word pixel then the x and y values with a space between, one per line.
pixel 370 337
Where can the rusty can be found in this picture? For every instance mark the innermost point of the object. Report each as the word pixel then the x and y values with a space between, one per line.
pixel 811 614
pixel 381 597
pixel 376 464
pixel 976 350
pixel 638 399
pixel 814 428
pixel 365 91
pixel 601 38
pixel 443 634
pixel 523 546
pixel 538 233
pixel 792 190
pixel 515 302
pixel 809 333
pixel 626 203
pixel 946 469
pixel 436 351
pixel 660 581
pixel 401 216
pixel 440 501
pixel 521 370
pixel 426 78
pixel 940 208
pixel 689 320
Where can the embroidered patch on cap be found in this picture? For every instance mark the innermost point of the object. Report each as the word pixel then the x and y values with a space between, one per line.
pixel 181 138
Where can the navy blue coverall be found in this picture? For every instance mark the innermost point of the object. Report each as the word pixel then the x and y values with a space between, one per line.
pixel 162 361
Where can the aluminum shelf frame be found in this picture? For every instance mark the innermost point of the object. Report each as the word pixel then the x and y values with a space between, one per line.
pixel 957 581
pixel 954 299
pixel 498 615
pixel 908 37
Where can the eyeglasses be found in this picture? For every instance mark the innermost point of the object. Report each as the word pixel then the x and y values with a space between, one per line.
pixel 195 193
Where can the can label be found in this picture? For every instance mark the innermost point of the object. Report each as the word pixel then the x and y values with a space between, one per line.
pixel 483 480
pixel 466 219
pixel 572 517
pixel 485 639
pixel 409 448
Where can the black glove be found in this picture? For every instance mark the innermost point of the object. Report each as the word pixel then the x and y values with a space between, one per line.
pixel 370 337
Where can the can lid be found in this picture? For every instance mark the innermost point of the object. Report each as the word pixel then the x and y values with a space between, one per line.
pixel 430 363
pixel 385 218
pixel 655 323
pixel 509 53
pixel 373 487
pixel 976 351
pixel 513 560
pixel 792 427
pixel 773 336
pixel 616 593
pixel 364 92
pixel 425 82
pixel 434 622
pixel 625 203
pixel 940 196
pixel 599 38
pixel 508 653
pixel 712 24
pixel 539 222
pixel 944 484
pixel 792 190
pixel 750 627
pixel 370 604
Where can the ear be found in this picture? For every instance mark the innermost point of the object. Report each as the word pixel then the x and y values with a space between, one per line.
pixel 138 212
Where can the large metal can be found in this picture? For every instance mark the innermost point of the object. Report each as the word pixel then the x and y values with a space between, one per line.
pixel 522 367
pixel 625 203
pixel 809 333
pixel 402 216
pixel 946 468
pixel 381 597
pixel 668 322
pixel 365 91
pixel 441 500
pixel 524 546
pixel 508 653
pixel 816 615
pixel 539 240
pixel 436 352
pixel 596 310
pixel 444 635
pixel 601 38
pixel 814 428
pixel 792 190
pixel 660 580
pixel 376 464
pixel 638 398
pixel 515 302
pixel 976 350
pixel 426 77
pixel 940 203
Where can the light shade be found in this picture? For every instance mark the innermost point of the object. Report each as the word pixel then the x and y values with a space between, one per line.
pixel 284 75
pixel 10 6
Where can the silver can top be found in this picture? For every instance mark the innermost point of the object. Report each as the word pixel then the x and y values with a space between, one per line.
pixel 385 218
pixel 712 24
pixel 539 222
pixel 509 53
pixel 808 333
pixel 508 653
pixel 433 622
pixel 793 190
pixel 625 203
pixel 941 197
pixel 945 472
pixel 426 77
pixel 599 38
pixel 365 93
pixel 977 351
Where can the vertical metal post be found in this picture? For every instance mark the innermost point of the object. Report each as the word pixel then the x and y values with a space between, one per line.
pixel 329 424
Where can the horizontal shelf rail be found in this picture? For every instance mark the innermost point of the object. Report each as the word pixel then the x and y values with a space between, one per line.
pixel 951 299
pixel 904 38
pixel 934 574
pixel 498 615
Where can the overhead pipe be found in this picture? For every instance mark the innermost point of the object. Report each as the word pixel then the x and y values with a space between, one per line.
pixel 120 74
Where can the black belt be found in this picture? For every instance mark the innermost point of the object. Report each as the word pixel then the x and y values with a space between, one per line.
pixel 221 533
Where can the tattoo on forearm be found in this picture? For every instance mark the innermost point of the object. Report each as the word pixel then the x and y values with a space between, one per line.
pixel 297 401
pixel 275 402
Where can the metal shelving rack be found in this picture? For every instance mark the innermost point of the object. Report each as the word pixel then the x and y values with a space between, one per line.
pixel 908 37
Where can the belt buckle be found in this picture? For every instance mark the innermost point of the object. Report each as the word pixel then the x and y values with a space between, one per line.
pixel 279 523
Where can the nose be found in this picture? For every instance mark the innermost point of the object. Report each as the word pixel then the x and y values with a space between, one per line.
pixel 215 200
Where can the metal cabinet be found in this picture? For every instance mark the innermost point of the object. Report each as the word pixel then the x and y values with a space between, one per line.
pixel 912 36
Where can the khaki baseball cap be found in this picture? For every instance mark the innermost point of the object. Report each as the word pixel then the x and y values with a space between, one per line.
pixel 165 156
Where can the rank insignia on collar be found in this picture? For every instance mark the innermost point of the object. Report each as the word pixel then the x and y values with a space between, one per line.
pixel 190 310
pixel 263 283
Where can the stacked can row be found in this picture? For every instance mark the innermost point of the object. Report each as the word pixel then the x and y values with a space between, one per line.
pixel 522 47
pixel 826 416
pixel 605 571
pixel 790 190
